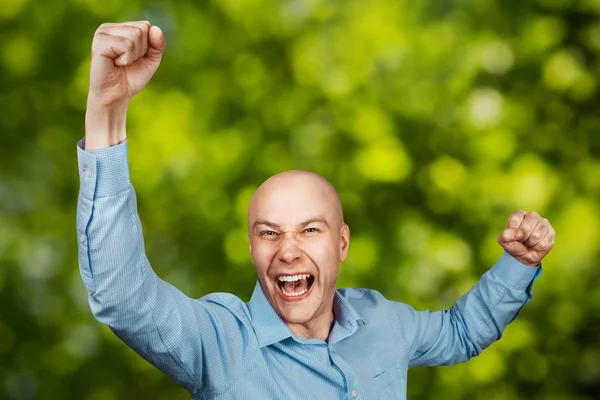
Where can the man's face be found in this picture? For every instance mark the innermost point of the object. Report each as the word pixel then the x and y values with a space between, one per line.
pixel 297 239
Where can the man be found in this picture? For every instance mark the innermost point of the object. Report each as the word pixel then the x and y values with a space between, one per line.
pixel 297 337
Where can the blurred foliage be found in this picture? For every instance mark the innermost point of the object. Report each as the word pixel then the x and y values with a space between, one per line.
pixel 433 119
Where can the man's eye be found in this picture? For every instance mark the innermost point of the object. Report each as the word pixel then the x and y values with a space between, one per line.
pixel 268 233
pixel 311 230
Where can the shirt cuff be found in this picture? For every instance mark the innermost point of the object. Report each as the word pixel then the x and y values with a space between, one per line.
pixel 514 274
pixel 103 172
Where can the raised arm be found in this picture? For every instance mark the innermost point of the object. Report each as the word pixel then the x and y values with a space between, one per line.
pixel 177 334
pixel 480 316
pixel 125 56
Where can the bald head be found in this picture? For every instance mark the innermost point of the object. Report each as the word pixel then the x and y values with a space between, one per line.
pixel 296 194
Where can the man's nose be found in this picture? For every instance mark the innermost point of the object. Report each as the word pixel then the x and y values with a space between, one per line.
pixel 289 251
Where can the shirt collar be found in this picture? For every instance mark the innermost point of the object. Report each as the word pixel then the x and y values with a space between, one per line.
pixel 270 328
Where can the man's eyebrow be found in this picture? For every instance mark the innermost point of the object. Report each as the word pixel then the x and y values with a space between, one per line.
pixel 312 220
pixel 267 223
pixel 300 225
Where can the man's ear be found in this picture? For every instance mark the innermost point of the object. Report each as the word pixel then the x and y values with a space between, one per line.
pixel 250 247
pixel 344 242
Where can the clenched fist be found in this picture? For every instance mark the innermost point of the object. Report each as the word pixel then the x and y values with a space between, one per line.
pixel 124 58
pixel 528 237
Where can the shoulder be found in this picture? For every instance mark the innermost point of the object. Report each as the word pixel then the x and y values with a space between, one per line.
pixel 225 299
pixel 382 317
pixel 369 301
pixel 362 296
pixel 368 306
pixel 225 305
pixel 366 302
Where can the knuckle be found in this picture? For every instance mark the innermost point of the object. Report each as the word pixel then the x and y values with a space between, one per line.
pixel 514 220
pixel 138 33
pixel 545 248
pixel 545 228
pixel 129 44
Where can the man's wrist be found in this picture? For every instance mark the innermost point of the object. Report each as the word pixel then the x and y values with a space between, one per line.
pixel 104 126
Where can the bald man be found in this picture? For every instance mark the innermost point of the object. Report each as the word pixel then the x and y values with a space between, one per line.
pixel 298 337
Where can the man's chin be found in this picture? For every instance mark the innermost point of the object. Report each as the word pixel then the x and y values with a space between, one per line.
pixel 294 312
pixel 296 317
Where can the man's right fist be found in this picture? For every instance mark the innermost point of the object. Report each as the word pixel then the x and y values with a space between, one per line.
pixel 124 58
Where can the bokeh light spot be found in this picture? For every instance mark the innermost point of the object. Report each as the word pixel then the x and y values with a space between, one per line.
pixel 20 55
pixel 497 58
pixel 384 160
pixel 485 107
pixel 561 71
pixel 447 173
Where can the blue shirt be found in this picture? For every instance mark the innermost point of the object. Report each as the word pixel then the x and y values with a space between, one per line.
pixel 219 347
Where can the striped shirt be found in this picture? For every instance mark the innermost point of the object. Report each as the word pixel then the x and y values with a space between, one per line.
pixel 219 347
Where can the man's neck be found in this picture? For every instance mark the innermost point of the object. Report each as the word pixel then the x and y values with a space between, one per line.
pixel 316 329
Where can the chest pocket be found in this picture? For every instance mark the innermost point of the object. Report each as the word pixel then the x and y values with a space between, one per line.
pixel 391 383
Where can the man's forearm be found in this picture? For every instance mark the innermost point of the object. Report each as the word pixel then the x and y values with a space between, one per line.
pixel 104 126
pixel 477 319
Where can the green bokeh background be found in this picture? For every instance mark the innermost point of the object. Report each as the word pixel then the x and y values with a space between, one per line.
pixel 434 120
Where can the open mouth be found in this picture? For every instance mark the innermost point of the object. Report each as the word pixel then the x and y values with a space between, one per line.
pixel 295 285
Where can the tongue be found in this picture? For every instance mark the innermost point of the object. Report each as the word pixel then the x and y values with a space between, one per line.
pixel 296 286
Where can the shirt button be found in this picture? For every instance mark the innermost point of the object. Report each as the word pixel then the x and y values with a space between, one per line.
pixel 82 238
pixel 354 394
pixel 88 172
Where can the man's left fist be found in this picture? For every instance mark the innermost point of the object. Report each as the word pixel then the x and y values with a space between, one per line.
pixel 528 237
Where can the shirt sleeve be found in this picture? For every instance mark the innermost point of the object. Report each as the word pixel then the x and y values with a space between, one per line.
pixel 177 334
pixel 476 320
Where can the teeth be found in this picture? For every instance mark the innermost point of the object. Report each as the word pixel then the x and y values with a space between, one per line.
pixel 294 294
pixel 293 278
